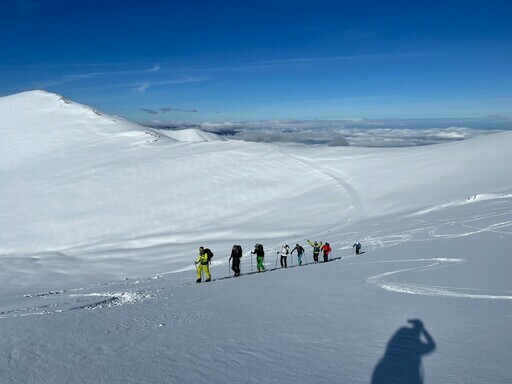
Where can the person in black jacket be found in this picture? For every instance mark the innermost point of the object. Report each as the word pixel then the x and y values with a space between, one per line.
pixel 236 254
pixel 300 252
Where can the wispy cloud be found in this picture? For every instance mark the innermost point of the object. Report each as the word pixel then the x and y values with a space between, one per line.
pixel 150 111
pixel 142 88
pixel 91 75
pixel 270 64
pixel 179 80
pixel 167 109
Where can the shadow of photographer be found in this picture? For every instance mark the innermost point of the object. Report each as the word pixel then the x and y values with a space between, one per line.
pixel 401 363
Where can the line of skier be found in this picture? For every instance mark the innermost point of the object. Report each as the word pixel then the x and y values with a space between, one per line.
pixel 205 256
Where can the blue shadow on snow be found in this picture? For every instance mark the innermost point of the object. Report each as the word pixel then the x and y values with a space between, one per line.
pixel 401 363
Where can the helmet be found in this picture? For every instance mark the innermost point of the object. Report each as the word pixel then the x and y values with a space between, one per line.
pixel 316 243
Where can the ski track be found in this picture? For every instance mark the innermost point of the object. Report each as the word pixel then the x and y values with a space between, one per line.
pixel 357 204
pixel 381 281
pixel 91 297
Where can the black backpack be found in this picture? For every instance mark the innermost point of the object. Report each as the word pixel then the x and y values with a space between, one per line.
pixel 237 251
pixel 208 253
pixel 258 249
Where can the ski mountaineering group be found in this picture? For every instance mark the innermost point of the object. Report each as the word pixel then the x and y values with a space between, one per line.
pixel 205 256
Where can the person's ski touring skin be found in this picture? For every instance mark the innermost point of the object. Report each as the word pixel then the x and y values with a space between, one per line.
pixel 357 245
pixel 260 257
pixel 285 251
pixel 236 254
pixel 202 265
pixel 326 249
pixel 300 252
pixel 316 249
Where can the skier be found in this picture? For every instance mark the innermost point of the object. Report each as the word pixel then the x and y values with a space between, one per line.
pixel 260 256
pixel 316 249
pixel 236 254
pixel 326 249
pixel 285 251
pixel 300 252
pixel 357 244
pixel 202 265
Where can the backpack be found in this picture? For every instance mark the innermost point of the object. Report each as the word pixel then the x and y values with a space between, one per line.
pixel 208 253
pixel 237 251
pixel 300 249
pixel 258 248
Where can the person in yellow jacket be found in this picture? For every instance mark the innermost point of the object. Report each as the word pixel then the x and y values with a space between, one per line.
pixel 316 249
pixel 202 265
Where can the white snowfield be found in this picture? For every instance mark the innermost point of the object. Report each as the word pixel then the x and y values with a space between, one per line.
pixel 97 212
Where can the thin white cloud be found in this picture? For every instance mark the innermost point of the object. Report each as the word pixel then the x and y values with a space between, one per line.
pixel 142 88
pixel 179 80
pixel 264 64
pixel 90 75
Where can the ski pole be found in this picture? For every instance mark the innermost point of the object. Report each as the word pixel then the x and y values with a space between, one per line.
pixel 251 261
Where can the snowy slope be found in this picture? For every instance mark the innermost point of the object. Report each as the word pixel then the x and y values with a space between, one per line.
pixel 190 135
pixel 97 212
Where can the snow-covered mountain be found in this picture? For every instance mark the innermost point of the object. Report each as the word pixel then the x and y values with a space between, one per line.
pixel 96 212
pixel 190 135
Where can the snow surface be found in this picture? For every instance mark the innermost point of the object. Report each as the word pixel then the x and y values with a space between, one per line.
pixel 97 213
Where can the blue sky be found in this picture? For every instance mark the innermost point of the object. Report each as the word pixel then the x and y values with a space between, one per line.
pixel 262 60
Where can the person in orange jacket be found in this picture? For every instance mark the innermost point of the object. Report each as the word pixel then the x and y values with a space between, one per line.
pixel 326 248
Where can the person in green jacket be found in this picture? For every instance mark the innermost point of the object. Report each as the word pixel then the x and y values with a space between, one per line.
pixel 202 265
pixel 316 250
